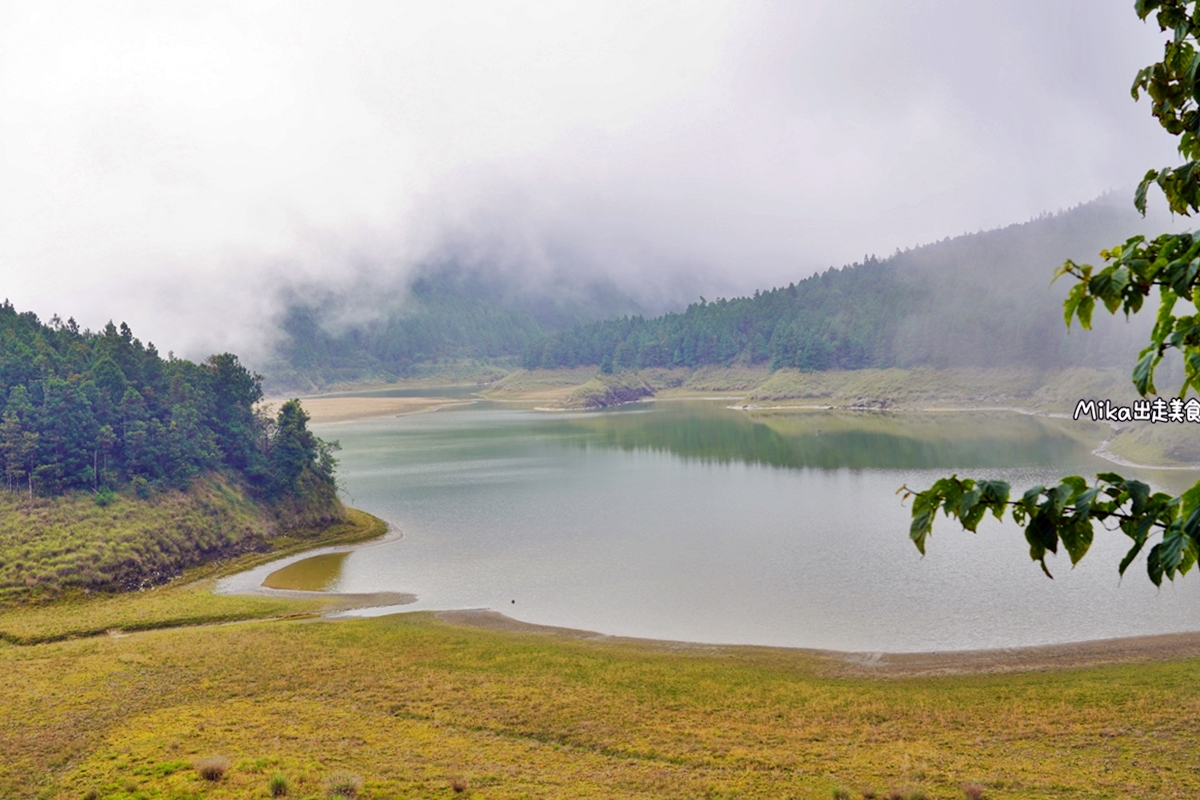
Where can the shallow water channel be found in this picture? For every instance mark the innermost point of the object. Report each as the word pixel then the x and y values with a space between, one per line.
pixel 692 521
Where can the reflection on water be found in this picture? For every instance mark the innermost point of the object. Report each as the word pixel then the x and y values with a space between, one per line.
pixel 835 439
pixel 688 520
pixel 315 574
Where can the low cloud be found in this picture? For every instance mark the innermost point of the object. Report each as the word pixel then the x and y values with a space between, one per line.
pixel 184 167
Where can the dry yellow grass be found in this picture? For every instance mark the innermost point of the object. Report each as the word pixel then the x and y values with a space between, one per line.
pixel 186 601
pixel 412 704
pixel 539 384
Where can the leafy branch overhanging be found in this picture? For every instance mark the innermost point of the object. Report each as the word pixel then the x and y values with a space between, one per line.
pixel 1064 514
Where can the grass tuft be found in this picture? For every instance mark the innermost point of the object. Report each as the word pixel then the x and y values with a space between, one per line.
pixel 458 785
pixel 278 785
pixel 342 785
pixel 212 768
pixel 973 791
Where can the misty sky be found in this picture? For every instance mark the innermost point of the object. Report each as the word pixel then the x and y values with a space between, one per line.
pixel 174 164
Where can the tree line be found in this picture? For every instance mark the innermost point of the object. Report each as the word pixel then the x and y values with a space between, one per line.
pixel 839 319
pixel 100 411
pixel 439 327
pixel 977 300
pixel 443 313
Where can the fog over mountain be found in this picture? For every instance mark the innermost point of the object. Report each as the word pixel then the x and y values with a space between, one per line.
pixel 192 168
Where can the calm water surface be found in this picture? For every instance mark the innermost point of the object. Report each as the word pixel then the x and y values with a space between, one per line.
pixel 691 521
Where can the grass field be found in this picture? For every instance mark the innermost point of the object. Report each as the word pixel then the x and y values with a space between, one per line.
pixel 52 545
pixel 414 706
pixel 188 600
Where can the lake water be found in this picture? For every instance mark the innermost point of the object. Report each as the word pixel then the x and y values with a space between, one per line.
pixel 691 521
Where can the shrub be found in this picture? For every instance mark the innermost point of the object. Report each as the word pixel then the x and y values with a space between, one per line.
pixel 105 496
pixel 342 784
pixel 278 785
pixel 212 768
pixel 458 785
pixel 841 794
pixel 973 791
pixel 141 487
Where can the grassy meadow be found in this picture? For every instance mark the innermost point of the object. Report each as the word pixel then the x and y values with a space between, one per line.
pixel 1053 391
pixel 187 600
pixel 85 542
pixel 415 707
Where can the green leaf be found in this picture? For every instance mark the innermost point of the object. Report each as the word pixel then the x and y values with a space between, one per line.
pixel 1154 566
pixel 1071 304
pixel 1170 550
pixel 1042 531
pixel 1189 508
pixel 1077 538
pixel 1139 493
pixel 1077 482
pixel 1083 503
pixel 1084 312
pixel 1143 372
pixel 1139 196
pixel 921 526
pixel 1190 552
pixel 1165 320
pixel 1059 496
pixel 995 495
pixel 1130 556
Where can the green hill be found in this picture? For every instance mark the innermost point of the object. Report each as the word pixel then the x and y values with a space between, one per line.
pixel 448 314
pixel 979 300
pixel 119 468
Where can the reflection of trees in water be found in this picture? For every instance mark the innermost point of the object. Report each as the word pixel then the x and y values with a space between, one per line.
pixel 827 442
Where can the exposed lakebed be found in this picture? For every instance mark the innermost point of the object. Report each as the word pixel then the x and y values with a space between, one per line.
pixel 691 521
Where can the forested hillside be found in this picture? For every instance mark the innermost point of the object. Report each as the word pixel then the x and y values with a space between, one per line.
pixel 447 314
pixel 101 412
pixel 842 319
pixel 979 300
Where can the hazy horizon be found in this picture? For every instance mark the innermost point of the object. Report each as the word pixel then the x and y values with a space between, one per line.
pixel 183 168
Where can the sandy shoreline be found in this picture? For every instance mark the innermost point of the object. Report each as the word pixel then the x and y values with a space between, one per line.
pixel 323 410
pixel 1139 649
pixel 832 663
